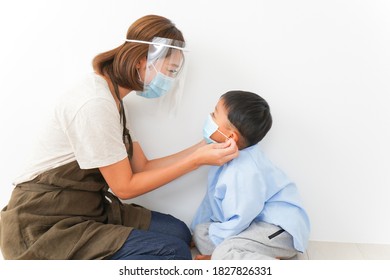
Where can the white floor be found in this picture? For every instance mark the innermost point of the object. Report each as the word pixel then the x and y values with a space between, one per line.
pixel 345 251
pixel 340 251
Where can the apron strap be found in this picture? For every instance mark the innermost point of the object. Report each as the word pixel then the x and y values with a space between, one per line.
pixel 114 206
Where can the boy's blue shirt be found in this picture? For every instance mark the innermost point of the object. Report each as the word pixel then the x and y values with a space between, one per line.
pixel 251 188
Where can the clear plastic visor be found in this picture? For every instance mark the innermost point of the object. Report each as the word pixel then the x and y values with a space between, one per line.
pixel 165 57
pixel 165 71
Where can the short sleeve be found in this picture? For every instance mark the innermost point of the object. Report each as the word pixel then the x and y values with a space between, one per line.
pixel 95 134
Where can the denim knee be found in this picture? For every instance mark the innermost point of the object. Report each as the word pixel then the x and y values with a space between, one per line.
pixel 183 232
pixel 147 245
pixel 167 224
pixel 182 250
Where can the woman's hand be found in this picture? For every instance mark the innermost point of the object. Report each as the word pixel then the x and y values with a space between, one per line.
pixel 217 154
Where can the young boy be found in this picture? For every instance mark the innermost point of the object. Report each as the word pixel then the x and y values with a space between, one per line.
pixel 251 209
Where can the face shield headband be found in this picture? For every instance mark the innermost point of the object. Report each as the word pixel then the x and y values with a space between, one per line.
pixel 158 41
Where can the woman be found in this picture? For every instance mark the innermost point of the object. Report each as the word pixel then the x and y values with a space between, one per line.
pixel 66 205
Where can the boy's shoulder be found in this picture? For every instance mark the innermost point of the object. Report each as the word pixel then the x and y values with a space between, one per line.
pixel 253 159
pixel 247 157
pixel 252 152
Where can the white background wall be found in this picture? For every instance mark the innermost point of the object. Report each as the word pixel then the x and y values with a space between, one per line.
pixel 324 67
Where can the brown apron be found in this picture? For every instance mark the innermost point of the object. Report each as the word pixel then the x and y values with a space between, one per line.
pixel 67 213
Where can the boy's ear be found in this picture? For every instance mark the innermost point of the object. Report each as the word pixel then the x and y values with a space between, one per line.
pixel 235 136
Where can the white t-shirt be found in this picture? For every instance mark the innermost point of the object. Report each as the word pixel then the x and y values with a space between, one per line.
pixel 84 126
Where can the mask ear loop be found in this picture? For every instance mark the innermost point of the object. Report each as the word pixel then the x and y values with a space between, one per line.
pixel 126 137
pixel 227 138
pixel 139 76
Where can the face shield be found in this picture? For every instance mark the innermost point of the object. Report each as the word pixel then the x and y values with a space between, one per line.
pixel 164 73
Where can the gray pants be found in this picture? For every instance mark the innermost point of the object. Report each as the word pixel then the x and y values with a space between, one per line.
pixel 260 241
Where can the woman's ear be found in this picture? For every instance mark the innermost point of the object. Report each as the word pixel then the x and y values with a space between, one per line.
pixel 142 63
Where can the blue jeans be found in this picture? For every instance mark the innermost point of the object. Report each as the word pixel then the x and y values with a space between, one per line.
pixel 167 238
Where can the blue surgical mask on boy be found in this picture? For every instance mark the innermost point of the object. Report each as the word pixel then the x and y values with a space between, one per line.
pixel 158 87
pixel 209 128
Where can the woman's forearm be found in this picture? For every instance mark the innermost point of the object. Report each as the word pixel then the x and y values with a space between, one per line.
pixel 149 180
pixel 171 159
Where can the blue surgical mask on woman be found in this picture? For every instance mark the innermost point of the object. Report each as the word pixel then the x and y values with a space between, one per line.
pixel 158 87
pixel 209 128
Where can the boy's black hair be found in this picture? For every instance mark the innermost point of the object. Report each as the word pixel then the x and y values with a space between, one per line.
pixel 249 113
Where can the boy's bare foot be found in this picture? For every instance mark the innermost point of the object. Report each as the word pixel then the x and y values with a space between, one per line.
pixel 202 257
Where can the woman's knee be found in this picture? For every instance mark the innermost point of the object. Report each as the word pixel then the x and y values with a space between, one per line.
pixel 152 245
pixel 183 232
pixel 167 224
pixel 180 248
